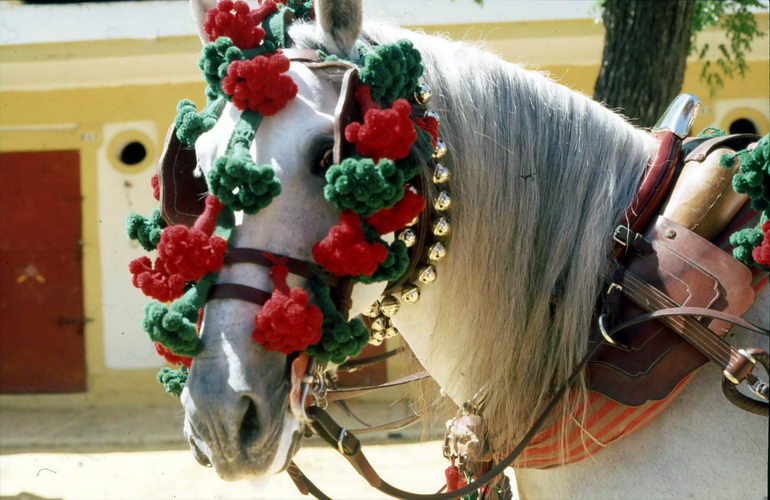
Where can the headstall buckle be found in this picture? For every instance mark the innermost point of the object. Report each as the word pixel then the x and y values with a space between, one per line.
pixel 620 235
pixel 340 438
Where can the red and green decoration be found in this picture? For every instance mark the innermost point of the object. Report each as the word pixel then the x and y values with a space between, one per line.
pixel 243 64
pixel 752 245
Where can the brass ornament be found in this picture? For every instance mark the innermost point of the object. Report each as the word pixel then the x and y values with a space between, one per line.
pixel 427 274
pixel 389 306
pixel 372 311
pixel 380 323
pixel 440 150
pixel 440 174
pixel 431 114
pixel 441 227
pixel 391 332
pixel 436 251
pixel 423 94
pixel 443 201
pixel 413 221
pixel 408 237
pixel 410 293
pixel 377 338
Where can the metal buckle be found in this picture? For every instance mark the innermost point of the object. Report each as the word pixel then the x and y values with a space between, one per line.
pixel 614 286
pixel 620 235
pixel 602 328
pixel 342 435
pixel 313 385
pixel 729 376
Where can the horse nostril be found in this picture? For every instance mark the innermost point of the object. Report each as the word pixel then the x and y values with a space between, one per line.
pixel 249 431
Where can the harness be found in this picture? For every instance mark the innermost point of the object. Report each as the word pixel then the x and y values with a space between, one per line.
pixel 672 298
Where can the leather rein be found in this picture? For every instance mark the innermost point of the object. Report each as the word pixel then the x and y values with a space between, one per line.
pixel 317 386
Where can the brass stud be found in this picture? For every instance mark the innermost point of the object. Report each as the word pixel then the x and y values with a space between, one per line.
pixel 427 274
pixel 440 150
pixel 423 94
pixel 413 221
pixel 436 251
pixel 372 311
pixel 441 227
pixel 408 237
pixel 391 332
pixel 389 306
pixel 380 323
pixel 410 293
pixel 443 201
pixel 440 174
pixel 377 338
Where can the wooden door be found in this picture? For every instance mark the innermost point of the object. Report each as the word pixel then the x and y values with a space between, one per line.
pixel 41 290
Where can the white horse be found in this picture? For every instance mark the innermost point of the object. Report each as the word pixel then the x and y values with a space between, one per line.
pixel 540 175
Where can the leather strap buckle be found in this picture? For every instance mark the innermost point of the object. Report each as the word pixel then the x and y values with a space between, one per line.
pixel 620 235
pixel 732 378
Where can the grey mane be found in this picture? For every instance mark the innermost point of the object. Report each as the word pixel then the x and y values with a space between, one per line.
pixel 540 175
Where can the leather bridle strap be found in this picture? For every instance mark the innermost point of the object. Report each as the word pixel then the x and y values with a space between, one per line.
pixel 350 447
pixel 351 392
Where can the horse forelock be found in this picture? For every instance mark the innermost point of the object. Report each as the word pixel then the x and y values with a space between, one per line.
pixel 540 174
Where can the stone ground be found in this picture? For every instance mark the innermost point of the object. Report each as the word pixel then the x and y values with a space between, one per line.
pixel 139 453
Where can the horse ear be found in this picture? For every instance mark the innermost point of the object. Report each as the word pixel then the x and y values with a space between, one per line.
pixel 339 23
pixel 199 8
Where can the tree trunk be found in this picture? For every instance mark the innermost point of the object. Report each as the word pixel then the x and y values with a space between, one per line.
pixel 645 51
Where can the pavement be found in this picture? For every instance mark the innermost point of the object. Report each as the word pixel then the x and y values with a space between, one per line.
pixel 133 453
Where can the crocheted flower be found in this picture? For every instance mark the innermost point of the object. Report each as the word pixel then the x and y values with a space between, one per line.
pixel 761 254
pixel 155 184
pixel 173 380
pixel 753 176
pixel 430 125
pixel 360 185
pixel 242 185
pixel 154 280
pixel 345 251
pixel 172 358
pixel 238 22
pixel 260 84
pixel 341 339
pixel 392 267
pixel 287 322
pixel 398 216
pixel 303 9
pixel 385 133
pixel 214 61
pixel 190 124
pixel 145 230
pixel 392 71
pixel 744 243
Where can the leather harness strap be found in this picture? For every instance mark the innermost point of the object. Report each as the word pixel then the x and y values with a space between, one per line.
pixel 351 392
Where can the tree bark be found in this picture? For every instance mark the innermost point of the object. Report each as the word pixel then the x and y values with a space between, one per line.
pixel 645 51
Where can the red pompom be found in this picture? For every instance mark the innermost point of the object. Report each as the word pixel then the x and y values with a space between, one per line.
pixel 184 254
pixel 454 478
pixel 172 358
pixel 236 21
pixel 260 84
pixel 399 215
pixel 385 133
pixel 761 254
pixel 430 125
pixel 155 281
pixel 155 183
pixel 344 251
pixel 287 322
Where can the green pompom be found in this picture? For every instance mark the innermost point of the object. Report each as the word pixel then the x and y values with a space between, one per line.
pixel 173 380
pixel 146 230
pixel 190 124
pixel 753 176
pixel 392 267
pixel 303 9
pixel 242 185
pixel 175 326
pixel 359 185
pixel 392 71
pixel 341 339
pixel 215 58
pixel 744 242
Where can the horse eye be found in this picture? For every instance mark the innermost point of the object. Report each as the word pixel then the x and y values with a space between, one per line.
pixel 323 162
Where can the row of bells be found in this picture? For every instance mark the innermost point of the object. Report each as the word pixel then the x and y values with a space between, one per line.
pixel 381 312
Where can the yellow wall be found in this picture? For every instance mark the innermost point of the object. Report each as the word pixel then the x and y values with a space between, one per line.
pixel 83 95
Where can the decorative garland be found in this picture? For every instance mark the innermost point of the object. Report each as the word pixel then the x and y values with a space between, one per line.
pixel 243 65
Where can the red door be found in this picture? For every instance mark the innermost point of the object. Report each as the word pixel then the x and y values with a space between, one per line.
pixel 41 290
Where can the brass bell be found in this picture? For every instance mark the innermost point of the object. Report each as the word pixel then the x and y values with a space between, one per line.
pixel 440 174
pixel 441 227
pixel 440 150
pixel 443 201
pixel 431 114
pixel 391 332
pixel 410 293
pixel 372 311
pixel 408 237
pixel 427 274
pixel 377 338
pixel 379 324
pixel 423 94
pixel 436 251
pixel 413 221
pixel 389 306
